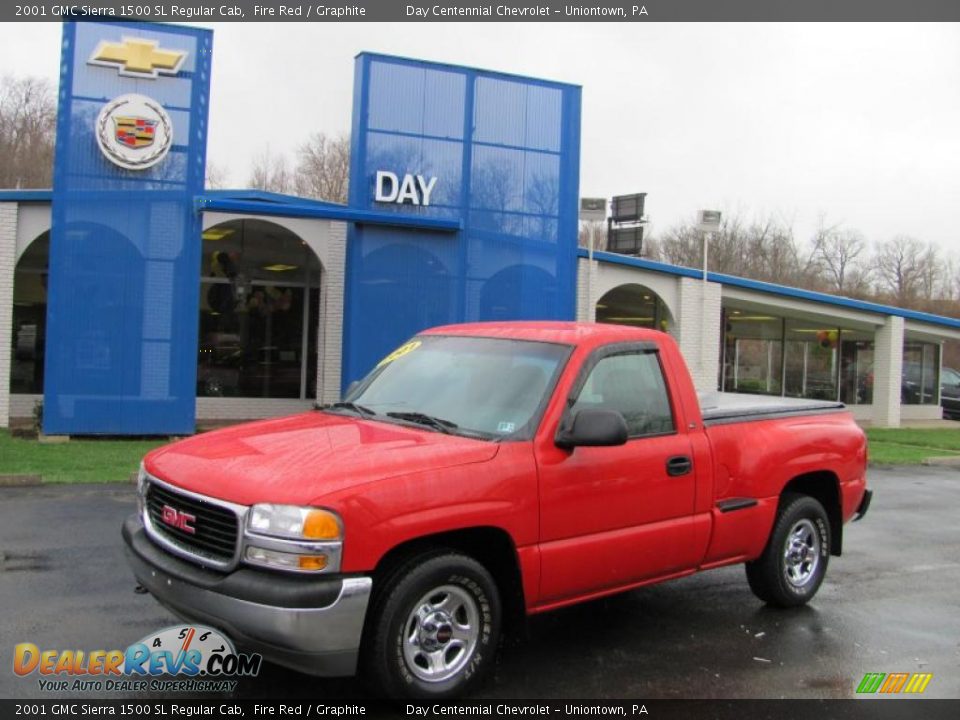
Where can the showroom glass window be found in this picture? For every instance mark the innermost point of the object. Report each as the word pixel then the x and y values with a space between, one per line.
pixel 259 304
pixel 921 374
pixel 30 318
pixel 792 357
pixel 752 352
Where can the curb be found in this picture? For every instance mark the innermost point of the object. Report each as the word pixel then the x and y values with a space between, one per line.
pixel 20 480
pixel 947 461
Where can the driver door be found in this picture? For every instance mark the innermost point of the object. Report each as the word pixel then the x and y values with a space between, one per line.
pixel 615 516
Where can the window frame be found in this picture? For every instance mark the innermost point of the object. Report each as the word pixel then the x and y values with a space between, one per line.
pixel 645 347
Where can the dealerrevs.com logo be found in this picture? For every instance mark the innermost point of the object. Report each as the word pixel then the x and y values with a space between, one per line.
pixel 180 658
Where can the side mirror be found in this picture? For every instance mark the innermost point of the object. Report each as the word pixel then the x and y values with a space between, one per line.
pixel 593 428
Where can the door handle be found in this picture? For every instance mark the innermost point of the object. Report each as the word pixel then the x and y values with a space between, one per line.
pixel 679 465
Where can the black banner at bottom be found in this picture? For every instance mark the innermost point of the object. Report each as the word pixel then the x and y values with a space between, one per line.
pixel 875 708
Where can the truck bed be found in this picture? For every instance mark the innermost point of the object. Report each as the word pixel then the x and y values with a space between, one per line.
pixel 721 408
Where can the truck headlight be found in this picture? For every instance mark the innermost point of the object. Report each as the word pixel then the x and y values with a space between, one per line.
pixel 295 523
pixel 293 538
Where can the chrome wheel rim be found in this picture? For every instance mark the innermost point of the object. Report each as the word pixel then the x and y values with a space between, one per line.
pixel 440 634
pixel 801 553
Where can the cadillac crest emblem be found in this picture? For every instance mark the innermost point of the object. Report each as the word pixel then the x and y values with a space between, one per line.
pixel 134 132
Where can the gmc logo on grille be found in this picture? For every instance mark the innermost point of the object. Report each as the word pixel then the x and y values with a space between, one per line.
pixel 178 519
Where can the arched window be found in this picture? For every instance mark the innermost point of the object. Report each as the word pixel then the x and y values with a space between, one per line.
pixel 635 305
pixel 259 308
pixel 30 317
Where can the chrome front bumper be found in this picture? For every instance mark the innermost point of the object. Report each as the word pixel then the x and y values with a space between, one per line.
pixel 310 625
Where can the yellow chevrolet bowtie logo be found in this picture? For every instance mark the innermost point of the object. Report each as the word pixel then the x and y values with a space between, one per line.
pixel 138 58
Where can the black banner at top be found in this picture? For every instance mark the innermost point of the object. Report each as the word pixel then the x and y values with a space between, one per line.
pixel 466 11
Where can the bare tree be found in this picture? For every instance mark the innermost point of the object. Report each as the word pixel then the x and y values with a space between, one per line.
pixel 595 229
pixel 271 173
pixel 771 253
pixel 497 191
pixel 839 252
pixel 682 245
pixel 934 277
pixel 27 131
pixel 216 177
pixel 899 268
pixel 763 250
pixel 323 168
pixel 651 246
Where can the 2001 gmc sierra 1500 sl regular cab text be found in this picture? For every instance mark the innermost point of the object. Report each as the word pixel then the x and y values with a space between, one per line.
pixel 480 473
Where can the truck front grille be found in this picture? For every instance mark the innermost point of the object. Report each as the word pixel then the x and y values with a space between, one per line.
pixel 214 535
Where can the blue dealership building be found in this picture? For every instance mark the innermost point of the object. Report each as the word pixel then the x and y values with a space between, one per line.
pixel 139 303
pixel 136 247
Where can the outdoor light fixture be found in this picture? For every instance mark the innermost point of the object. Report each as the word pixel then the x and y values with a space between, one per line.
pixel 625 240
pixel 593 209
pixel 627 208
pixel 625 224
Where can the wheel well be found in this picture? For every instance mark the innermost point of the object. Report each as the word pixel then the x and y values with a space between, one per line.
pixel 490 546
pixel 825 487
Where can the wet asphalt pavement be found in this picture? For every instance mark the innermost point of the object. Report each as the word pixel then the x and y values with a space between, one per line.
pixel 891 603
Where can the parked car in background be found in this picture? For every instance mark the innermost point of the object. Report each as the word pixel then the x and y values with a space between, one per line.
pixel 915 387
pixel 950 393
pixel 911 392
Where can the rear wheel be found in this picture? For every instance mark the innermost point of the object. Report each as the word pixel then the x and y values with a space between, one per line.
pixel 793 565
pixel 434 628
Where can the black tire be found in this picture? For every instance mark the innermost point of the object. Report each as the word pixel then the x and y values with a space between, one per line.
pixel 443 582
pixel 801 523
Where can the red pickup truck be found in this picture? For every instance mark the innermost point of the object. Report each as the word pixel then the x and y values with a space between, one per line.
pixel 478 474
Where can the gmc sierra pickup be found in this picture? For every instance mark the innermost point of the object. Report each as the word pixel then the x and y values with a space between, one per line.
pixel 478 474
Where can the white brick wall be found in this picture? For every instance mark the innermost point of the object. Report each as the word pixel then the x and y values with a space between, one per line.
pixel 8 254
pixel 921 412
pixel 33 219
pixel 586 310
pixel 247 408
pixel 21 406
pixel 698 330
pixel 698 334
pixel 887 373
pixel 330 332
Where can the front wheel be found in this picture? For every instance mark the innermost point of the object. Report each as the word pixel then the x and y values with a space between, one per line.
pixel 435 628
pixel 792 566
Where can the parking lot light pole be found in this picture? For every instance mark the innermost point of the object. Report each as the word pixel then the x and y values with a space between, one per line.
pixel 708 224
pixel 592 210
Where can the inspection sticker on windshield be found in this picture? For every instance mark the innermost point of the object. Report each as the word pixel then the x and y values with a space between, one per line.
pixel 506 427
pixel 400 352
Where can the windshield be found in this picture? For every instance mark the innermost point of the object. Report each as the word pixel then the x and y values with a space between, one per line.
pixel 482 387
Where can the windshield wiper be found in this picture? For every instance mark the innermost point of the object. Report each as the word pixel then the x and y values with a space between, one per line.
pixel 358 409
pixel 439 424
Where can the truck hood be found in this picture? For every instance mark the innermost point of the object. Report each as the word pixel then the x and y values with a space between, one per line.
pixel 298 459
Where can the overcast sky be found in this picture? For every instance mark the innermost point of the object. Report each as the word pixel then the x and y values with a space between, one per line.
pixel 860 123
